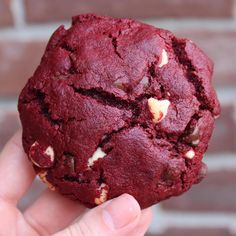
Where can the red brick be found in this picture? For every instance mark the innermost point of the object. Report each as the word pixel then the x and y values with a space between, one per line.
pixel 221 48
pixel 5 13
pixel 224 135
pixel 215 193
pixel 9 123
pixel 18 60
pixel 194 232
pixel 44 10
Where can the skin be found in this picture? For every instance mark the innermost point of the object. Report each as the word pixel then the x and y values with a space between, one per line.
pixel 51 213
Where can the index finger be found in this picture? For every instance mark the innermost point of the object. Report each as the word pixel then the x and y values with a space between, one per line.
pixel 16 172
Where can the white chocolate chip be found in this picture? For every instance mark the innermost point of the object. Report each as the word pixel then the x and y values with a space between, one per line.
pixel 216 117
pixel 35 144
pixel 103 195
pixel 196 131
pixel 30 154
pixel 194 137
pixel 163 59
pixel 195 142
pixel 158 108
pixel 190 154
pixel 41 156
pixel 49 151
pixel 96 155
pixel 42 176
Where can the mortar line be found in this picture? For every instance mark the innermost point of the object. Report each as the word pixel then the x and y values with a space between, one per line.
pixel 30 32
pixel 220 162
pixel 234 9
pixel 163 220
pixel 18 12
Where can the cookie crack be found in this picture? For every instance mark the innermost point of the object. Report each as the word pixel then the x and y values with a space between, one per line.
pixel 108 137
pixel 195 117
pixel 76 179
pixel 181 55
pixel 109 99
pixel 115 45
pixel 114 42
pixel 73 70
pixel 152 69
pixel 103 97
pixel 151 72
pixel 67 48
pixel 182 179
pixel 44 107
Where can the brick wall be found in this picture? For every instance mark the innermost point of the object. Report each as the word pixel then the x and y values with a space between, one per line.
pixel 25 25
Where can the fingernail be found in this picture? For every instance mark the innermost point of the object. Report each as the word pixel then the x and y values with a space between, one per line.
pixel 121 211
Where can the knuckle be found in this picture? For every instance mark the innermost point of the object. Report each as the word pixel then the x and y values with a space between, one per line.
pixel 82 228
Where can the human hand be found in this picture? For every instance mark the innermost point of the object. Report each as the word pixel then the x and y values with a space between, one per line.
pixel 53 214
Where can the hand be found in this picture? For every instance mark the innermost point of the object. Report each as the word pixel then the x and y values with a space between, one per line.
pixel 51 213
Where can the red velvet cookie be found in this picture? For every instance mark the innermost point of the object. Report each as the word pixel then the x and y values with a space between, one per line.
pixel 117 106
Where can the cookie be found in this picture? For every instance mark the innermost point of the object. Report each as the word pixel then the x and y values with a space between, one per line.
pixel 117 106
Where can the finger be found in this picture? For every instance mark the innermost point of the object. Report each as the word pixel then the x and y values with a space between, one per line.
pixel 119 216
pixel 144 222
pixel 52 212
pixel 16 172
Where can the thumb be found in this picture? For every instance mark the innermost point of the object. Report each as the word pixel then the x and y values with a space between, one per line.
pixel 119 216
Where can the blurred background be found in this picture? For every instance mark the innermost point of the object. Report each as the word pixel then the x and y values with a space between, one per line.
pixel 25 26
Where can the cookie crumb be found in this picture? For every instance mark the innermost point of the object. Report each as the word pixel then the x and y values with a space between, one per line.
pixel 103 195
pixel 42 176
